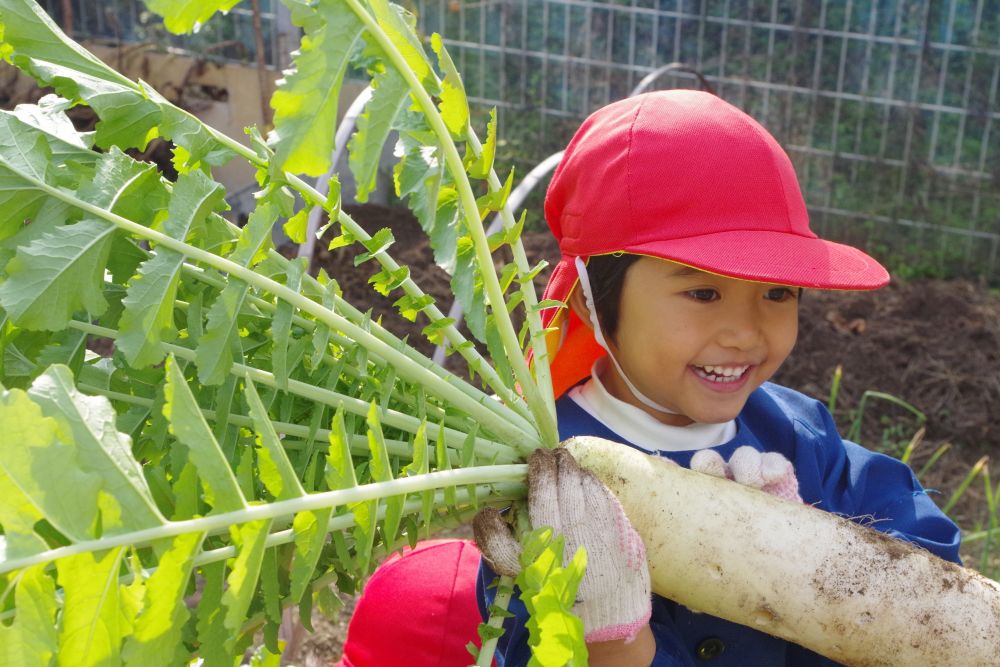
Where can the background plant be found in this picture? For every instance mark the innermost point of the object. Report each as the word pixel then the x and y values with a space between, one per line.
pixel 253 438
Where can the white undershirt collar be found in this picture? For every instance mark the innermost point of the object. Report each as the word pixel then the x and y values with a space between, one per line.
pixel 639 427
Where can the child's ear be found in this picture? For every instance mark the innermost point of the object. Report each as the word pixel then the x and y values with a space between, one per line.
pixel 578 304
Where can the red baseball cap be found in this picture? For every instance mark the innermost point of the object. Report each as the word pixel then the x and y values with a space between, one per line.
pixel 418 608
pixel 685 176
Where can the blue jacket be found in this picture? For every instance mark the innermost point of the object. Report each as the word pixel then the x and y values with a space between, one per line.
pixel 836 475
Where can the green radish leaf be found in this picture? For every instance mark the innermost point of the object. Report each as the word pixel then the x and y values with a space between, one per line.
pixel 158 630
pixel 467 284
pixel 269 584
pixel 297 225
pixel 215 348
pixel 454 106
pixel 62 271
pixel 340 466
pixel 381 470
pixel 310 537
pixel 49 117
pixel 420 465
pixel 399 26
pixel 189 426
pixel 148 319
pixel 67 347
pixel 30 443
pixel 211 628
pixel 390 95
pixel 31 639
pixel 281 325
pixel 480 167
pixel 365 522
pixel 22 151
pixel 58 275
pixel 321 334
pixel 126 502
pixel 18 516
pixel 274 468
pixel 305 103
pixel 241 584
pixel 30 32
pixel 129 119
pixel 90 632
pixel 184 16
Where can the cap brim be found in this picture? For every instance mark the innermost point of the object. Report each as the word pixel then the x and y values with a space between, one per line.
pixel 773 257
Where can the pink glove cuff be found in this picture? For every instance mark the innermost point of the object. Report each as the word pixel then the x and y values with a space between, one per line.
pixel 627 631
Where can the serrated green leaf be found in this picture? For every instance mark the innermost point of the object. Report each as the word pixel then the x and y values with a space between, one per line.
pixel 215 347
pixel 310 536
pixel 31 641
pixel 211 628
pixel 158 630
pixel 467 284
pixel 390 94
pixel 305 103
pixel 91 629
pixel 454 106
pixel 241 584
pixel 480 167
pixel 127 117
pixel 100 449
pixel 67 347
pixel 321 334
pixel 269 585
pixel 30 32
pixel 275 469
pixel 340 465
pixel 400 27
pixel 148 318
pixel 57 275
pixel 184 16
pixel 381 470
pixel 188 424
pixel 30 443
pixel 281 324
pixel 297 225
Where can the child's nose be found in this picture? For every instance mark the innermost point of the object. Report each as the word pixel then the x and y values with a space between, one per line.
pixel 742 330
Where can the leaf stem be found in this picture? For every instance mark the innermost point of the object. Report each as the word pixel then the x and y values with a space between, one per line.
pixel 220 523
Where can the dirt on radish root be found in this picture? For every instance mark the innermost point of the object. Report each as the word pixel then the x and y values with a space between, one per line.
pixel 932 343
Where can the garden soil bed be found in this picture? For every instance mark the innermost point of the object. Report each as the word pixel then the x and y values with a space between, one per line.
pixel 934 344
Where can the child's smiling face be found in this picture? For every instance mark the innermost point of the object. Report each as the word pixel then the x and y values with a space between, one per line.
pixel 698 343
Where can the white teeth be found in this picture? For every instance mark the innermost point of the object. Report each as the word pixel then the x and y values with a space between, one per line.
pixel 721 373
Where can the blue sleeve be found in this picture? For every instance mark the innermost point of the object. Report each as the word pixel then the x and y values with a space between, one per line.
pixel 512 647
pixel 873 489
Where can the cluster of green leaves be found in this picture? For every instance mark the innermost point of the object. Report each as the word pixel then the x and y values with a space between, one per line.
pixel 253 438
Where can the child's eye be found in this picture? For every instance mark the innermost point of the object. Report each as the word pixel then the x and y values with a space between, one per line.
pixel 782 294
pixel 704 295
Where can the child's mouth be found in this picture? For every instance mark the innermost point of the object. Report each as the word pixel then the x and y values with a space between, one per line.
pixel 721 374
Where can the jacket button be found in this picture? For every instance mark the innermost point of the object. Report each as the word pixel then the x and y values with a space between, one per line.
pixel 710 649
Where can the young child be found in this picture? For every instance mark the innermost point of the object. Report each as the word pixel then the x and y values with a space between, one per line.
pixel 685 248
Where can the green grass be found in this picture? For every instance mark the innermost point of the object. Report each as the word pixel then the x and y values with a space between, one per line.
pixel 980 525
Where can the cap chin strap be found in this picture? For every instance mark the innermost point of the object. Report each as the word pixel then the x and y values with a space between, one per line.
pixel 588 295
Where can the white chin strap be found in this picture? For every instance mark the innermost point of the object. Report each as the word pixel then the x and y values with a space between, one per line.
pixel 588 295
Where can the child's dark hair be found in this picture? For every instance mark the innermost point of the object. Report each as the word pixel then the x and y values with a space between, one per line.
pixel 607 276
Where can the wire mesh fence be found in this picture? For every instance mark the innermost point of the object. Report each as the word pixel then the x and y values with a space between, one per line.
pixel 229 37
pixel 888 108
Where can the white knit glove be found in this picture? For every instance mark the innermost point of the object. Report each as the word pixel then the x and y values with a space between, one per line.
pixel 768 471
pixel 613 600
